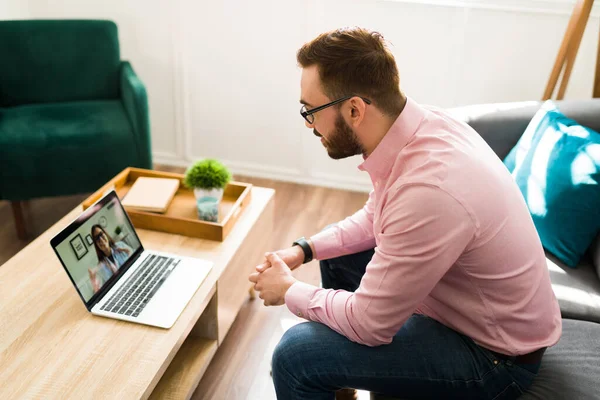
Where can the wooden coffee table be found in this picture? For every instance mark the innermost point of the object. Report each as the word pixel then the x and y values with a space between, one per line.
pixel 52 347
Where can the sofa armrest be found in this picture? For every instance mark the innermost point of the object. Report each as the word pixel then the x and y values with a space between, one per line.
pixel 501 125
pixel 135 102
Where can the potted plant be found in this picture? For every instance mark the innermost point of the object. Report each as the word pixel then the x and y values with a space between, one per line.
pixel 208 179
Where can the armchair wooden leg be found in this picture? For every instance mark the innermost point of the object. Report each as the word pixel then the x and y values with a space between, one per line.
pixel 17 208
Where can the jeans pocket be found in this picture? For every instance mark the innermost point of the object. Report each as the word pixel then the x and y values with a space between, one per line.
pixel 526 372
pixel 511 392
pixel 521 376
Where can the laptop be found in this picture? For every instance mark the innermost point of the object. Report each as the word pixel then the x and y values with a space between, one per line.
pixel 116 277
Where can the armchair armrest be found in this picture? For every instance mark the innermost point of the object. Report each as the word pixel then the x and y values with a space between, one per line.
pixel 501 125
pixel 135 102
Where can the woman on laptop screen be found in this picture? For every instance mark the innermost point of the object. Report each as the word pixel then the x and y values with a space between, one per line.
pixel 111 256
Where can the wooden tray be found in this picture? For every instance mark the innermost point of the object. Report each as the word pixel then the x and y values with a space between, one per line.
pixel 181 217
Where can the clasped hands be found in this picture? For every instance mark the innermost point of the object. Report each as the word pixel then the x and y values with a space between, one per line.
pixel 273 277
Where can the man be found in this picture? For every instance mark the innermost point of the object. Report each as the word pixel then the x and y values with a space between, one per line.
pixel 438 287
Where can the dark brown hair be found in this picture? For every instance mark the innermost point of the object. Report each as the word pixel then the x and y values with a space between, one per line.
pixel 111 243
pixel 355 61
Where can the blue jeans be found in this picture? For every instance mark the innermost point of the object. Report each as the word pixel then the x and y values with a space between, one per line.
pixel 425 360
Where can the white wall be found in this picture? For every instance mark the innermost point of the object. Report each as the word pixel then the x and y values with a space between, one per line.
pixel 11 9
pixel 223 81
pixel 145 33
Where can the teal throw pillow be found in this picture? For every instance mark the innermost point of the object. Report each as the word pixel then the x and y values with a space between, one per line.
pixel 556 164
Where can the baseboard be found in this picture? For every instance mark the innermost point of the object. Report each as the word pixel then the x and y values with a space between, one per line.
pixel 170 160
pixel 323 180
pixel 279 174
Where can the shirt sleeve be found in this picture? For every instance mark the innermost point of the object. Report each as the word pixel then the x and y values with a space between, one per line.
pixel 352 235
pixel 423 232
pixel 123 246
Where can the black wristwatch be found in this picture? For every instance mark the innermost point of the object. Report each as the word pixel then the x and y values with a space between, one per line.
pixel 308 254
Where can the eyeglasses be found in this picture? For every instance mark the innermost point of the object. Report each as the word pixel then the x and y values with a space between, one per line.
pixel 308 115
pixel 98 236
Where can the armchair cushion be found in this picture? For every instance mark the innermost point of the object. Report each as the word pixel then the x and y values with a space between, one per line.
pixel 58 148
pixel 58 61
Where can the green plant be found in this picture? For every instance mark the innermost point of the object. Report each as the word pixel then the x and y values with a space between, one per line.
pixel 207 174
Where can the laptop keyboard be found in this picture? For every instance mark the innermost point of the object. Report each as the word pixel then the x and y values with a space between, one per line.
pixel 140 287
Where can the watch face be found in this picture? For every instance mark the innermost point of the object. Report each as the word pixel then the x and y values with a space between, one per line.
pixel 102 222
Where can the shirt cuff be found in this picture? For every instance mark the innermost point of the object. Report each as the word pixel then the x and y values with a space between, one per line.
pixel 326 243
pixel 298 297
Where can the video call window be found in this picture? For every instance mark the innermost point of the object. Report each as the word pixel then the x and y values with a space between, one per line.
pixel 98 248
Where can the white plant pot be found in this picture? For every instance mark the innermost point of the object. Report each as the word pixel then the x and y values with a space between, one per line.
pixel 207 203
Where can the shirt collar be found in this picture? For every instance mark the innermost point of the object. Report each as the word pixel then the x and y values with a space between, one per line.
pixel 381 160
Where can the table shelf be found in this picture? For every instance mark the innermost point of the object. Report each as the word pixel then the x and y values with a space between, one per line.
pixel 185 371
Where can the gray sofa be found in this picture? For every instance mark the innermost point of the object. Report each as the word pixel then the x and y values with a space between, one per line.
pixel 501 125
pixel 571 369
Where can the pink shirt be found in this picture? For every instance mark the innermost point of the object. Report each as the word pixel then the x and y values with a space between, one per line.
pixel 453 240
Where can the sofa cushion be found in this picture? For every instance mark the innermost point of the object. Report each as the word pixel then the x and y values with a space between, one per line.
pixel 556 164
pixel 577 289
pixel 52 149
pixel 569 370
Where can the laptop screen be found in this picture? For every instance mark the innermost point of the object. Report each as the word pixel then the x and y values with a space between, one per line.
pixel 95 248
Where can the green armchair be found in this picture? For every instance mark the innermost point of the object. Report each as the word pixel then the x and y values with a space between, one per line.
pixel 72 114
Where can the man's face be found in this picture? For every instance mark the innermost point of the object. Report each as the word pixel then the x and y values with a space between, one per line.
pixel 336 135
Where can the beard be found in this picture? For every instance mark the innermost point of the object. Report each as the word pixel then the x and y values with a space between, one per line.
pixel 343 142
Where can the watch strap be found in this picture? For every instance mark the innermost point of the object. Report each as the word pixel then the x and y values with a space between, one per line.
pixel 303 243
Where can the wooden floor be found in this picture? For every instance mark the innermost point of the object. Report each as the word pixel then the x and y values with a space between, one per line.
pixel 240 369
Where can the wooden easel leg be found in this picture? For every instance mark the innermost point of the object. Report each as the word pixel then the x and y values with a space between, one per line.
pixel 17 208
pixel 584 15
pixel 568 48
pixel 558 63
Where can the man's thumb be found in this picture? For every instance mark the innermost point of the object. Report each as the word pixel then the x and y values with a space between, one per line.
pixel 274 258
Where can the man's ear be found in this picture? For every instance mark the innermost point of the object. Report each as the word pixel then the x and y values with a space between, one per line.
pixel 357 111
